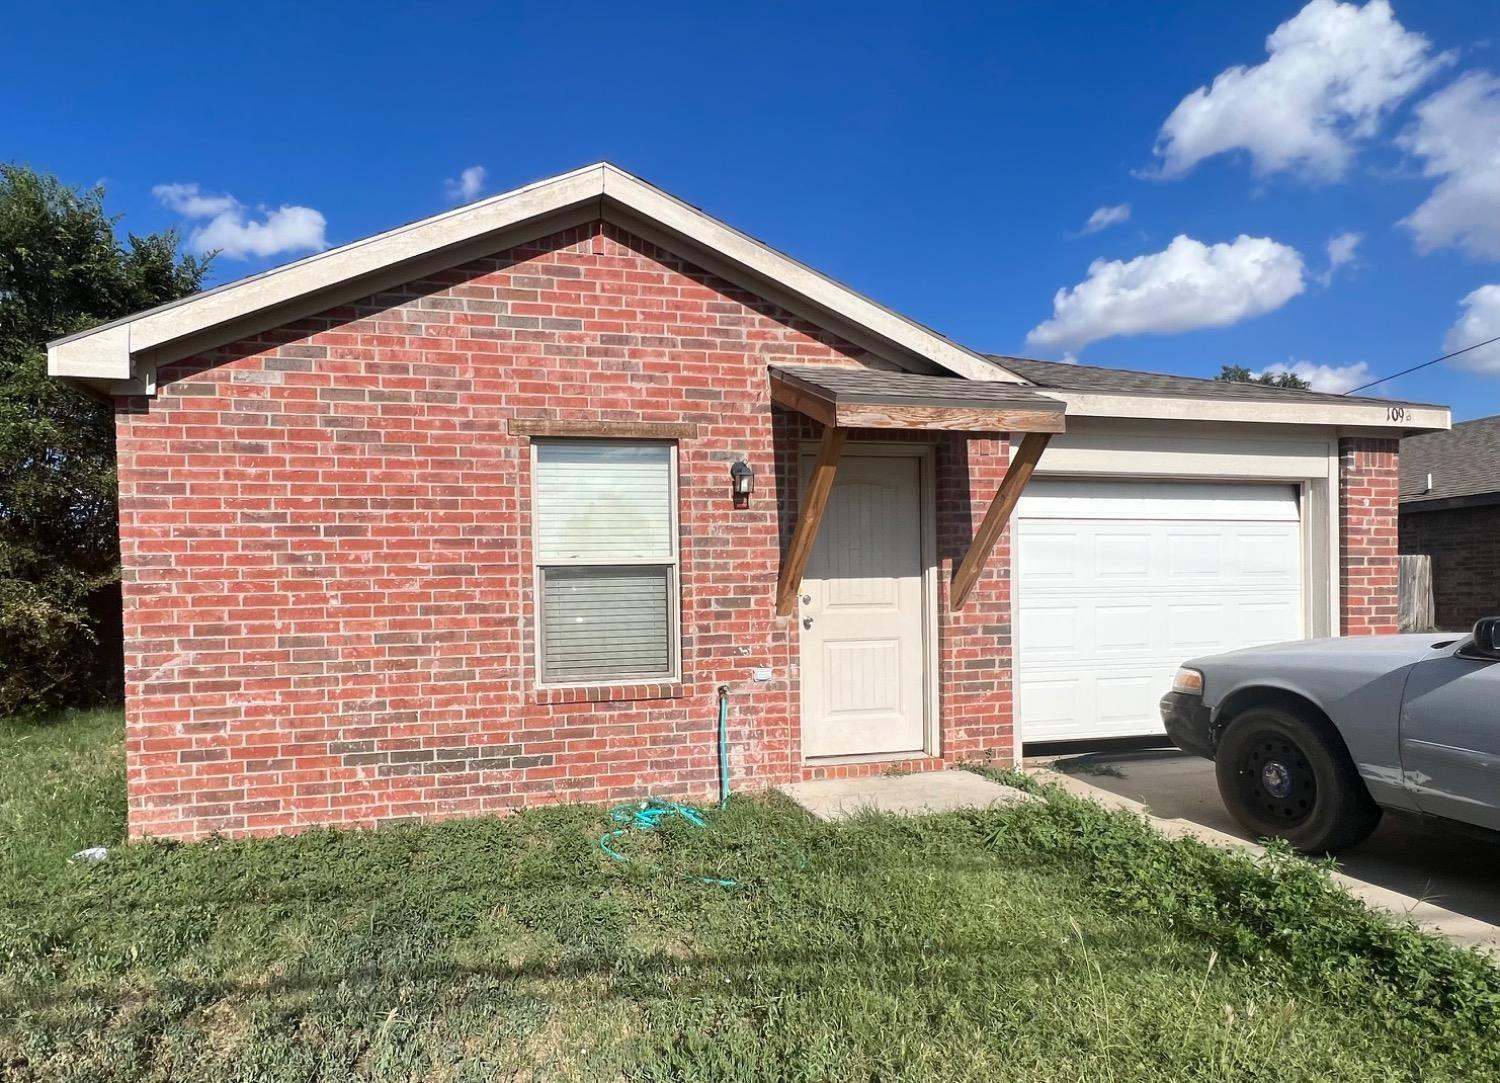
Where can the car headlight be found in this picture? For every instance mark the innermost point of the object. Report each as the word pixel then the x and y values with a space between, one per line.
pixel 1189 681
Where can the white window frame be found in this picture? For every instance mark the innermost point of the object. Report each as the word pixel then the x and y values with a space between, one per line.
pixel 673 566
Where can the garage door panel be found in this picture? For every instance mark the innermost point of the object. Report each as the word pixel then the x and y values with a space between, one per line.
pixel 1194 555
pixel 1122 555
pixel 1267 621
pixel 1177 500
pixel 1052 631
pixel 1267 554
pixel 1122 628
pixel 1118 583
pixel 1194 626
pixel 1125 702
pixel 1051 552
pixel 1052 704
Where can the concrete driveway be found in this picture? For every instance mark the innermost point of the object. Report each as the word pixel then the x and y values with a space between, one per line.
pixel 1443 867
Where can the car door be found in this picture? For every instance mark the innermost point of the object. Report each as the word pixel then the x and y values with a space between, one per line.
pixel 1450 737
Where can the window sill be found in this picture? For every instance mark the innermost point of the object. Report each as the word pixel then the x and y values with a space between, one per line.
pixel 608 693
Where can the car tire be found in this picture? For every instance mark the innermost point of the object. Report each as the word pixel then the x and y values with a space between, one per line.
pixel 1288 777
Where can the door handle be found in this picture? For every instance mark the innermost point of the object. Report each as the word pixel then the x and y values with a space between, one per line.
pixel 807 622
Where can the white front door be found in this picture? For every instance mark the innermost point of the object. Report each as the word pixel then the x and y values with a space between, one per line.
pixel 861 611
pixel 1119 583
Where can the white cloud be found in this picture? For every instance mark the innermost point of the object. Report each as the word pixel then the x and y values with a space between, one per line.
pixel 1341 248
pixel 467 185
pixel 1480 321
pixel 232 228
pixel 1457 134
pixel 189 202
pixel 1332 72
pixel 1186 286
pixel 1105 217
pixel 285 229
pixel 1335 379
pixel 1341 253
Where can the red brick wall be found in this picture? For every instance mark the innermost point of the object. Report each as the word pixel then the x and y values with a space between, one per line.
pixel 975 643
pixel 327 568
pixel 1368 483
pixel 1464 544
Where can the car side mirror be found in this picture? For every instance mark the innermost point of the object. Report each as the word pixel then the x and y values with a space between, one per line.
pixel 1487 637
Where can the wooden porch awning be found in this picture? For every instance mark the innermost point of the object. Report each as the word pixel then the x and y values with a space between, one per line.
pixel 853 398
pixel 850 398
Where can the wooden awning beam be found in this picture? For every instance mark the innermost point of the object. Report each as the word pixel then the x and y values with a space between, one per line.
pixel 814 502
pixel 1022 464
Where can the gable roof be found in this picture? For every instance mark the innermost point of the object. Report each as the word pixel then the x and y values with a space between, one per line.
pixel 121 356
pixel 1463 463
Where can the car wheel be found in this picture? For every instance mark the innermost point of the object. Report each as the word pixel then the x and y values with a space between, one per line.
pixel 1283 776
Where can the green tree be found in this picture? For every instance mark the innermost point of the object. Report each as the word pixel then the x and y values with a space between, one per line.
pixel 62 269
pixel 1239 374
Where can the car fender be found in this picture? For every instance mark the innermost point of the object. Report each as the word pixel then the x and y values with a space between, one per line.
pixel 1363 709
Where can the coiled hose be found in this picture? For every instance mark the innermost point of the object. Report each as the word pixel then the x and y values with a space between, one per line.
pixel 648 814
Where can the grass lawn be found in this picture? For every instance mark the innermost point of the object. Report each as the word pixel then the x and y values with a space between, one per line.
pixel 1054 942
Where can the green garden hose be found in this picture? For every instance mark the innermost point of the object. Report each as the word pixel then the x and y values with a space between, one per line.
pixel 648 814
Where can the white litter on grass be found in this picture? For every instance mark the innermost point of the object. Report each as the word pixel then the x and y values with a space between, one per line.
pixel 92 856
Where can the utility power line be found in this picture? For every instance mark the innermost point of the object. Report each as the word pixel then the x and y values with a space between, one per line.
pixel 1423 365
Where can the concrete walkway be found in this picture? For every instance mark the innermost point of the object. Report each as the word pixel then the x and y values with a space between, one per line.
pixel 902 795
pixel 1462 929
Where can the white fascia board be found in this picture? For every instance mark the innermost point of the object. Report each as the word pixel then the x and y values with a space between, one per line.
pixel 121 351
pixel 1387 418
pixel 100 354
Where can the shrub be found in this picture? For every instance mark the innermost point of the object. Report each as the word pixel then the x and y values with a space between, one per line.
pixel 62 269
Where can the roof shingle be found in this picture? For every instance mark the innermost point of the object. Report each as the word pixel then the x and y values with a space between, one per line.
pixel 1065 377
pixel 1463 462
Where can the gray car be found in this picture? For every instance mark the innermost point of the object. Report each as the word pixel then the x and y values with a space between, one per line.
pixel 1313 740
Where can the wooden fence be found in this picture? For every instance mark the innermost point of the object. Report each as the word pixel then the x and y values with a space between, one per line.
pixel 1414 595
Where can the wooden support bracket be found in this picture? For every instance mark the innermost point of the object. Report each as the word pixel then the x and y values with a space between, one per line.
pixel 814 501
pixel 1022 463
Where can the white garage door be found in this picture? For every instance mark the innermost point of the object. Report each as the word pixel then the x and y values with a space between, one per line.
pixel 1119 582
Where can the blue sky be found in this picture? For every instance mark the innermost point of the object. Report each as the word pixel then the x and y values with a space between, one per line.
pixel 943 159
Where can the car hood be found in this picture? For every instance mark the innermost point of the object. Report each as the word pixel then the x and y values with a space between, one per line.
pixel 1372 652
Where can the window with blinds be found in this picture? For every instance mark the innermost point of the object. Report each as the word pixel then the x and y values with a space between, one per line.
pixel 605 524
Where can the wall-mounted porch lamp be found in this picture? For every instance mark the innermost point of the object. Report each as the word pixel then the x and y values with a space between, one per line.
pixel 742 482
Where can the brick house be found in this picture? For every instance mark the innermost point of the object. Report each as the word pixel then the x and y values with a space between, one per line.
pixel 1450 511
pixel 447 521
